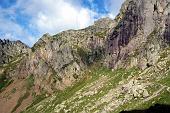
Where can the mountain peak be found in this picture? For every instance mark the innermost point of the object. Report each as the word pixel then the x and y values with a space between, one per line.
pixel 107 67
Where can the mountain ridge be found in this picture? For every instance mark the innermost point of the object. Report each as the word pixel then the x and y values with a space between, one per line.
pixel 111 66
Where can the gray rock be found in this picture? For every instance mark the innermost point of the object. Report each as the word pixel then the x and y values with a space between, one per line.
pixel 145 93
pixel 11 49
pixel 57 61
pixel 141 26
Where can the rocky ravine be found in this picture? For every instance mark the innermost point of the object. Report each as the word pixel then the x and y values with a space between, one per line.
pixel 134 48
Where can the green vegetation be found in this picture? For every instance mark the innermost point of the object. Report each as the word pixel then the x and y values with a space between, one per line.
pixel 4 82
pixel 33 49
pixel 89 57
pixel 101 34
pixel 57 36
pixel 83 54
pixel 11 65
pixel 20 100
pixel 163 98
pixel 4 79
pixel 13 90
pixel 69 98
pixel 163 55
pixel 166 80
pixel 92 75
pixel 30 82
pixel 37 99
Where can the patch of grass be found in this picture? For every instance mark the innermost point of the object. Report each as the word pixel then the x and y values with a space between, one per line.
pixel 57 36
pixel 4 82
pixel 89 77
pixel 36 100
pixel 61 95
pixel 20 100
pixel 163 55
pixel 83 54
pixel 13 90
pixel 101 34
pixel 4 79
pixel 93 74
pixel 116 77
pixel 163 98
pixel 166 80
pixel 30 82
pixel 33 49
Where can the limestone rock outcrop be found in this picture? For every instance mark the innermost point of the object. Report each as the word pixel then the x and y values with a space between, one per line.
pixel 11 49
pixel 136 43
pixel 142 30
pixel 57 61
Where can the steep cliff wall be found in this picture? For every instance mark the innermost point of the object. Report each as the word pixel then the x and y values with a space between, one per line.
pixel 57 61
pixel 142 31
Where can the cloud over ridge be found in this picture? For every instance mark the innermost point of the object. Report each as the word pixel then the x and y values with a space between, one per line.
pixel 28 20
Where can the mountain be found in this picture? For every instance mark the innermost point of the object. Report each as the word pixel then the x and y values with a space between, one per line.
pixel 142 32
pixel 11 49
pixel 111 66
pixel 52 64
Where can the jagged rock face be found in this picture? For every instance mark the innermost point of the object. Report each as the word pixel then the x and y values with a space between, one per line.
pixel 53 63
pixel 11 49
pixel 105 23
pixel 89 41
pixel 123 32
pixel 136 23
pixel 57 61
pixel 83 37
pixel 167 29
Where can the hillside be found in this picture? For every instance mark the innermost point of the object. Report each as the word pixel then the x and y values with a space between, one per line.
pixel 111 66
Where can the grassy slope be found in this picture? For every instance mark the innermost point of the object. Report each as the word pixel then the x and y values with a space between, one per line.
pixel 101 84
pixel 4 79
pixel 83 86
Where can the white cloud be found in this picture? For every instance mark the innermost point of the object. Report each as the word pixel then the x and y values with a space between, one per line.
pixel 10 29
pixel 8 36
pixel 9 26
pixel 113 7
pixel 32 39
pixel 54 16
pixel 13 31
pixel 50 16
pixel 111 15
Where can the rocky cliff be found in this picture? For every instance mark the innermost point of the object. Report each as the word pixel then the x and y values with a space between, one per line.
pixel 57 61
pixel 142 31
pixel 11 49
pixel 52 64
pixel 111 66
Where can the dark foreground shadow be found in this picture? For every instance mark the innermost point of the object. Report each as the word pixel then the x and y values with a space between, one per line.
pixel 154 109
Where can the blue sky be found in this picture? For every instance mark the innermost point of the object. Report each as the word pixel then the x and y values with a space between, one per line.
pixel 28 20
